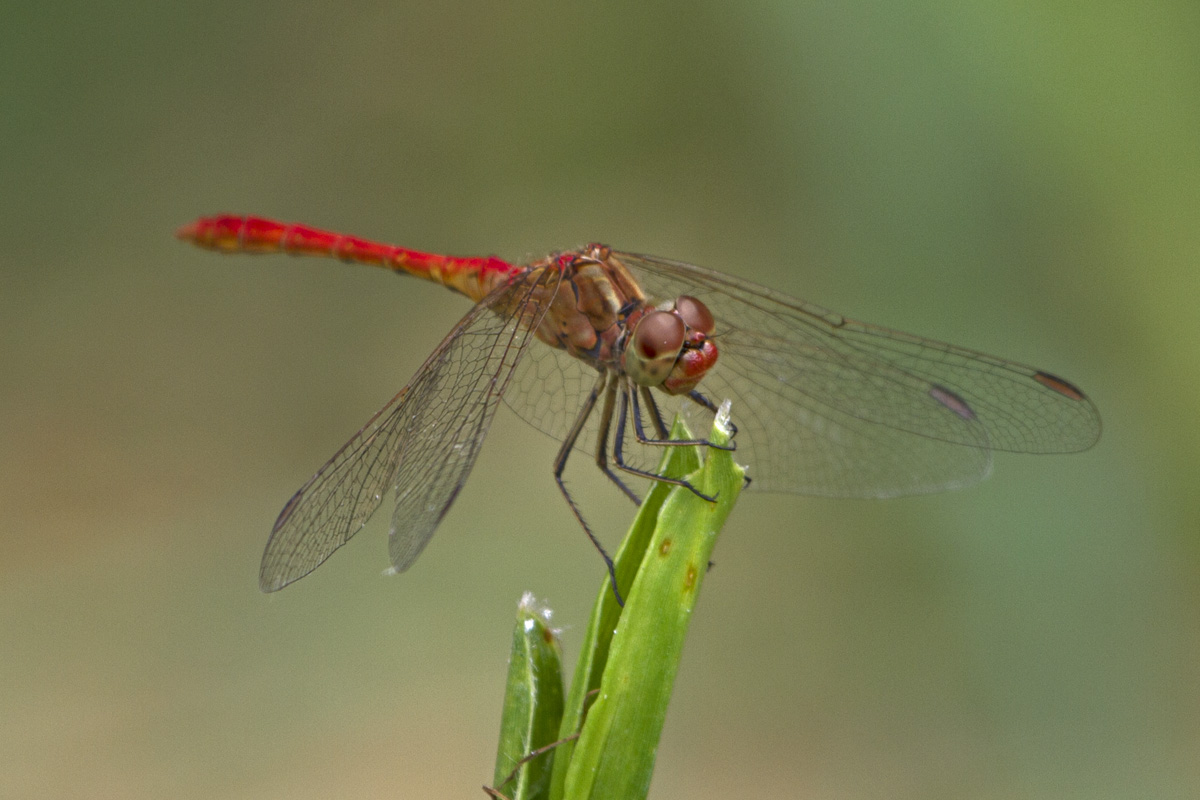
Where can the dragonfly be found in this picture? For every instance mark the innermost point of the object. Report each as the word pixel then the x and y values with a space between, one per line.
pixel 591 345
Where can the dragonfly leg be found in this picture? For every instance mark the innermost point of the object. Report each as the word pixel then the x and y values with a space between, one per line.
pixel 702 400
pixel 619 454
pixel 656 417
pixel 560 464
pixel 697 397
pixel 660 425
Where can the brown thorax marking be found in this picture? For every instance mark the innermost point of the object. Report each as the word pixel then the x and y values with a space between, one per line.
pixel 588 313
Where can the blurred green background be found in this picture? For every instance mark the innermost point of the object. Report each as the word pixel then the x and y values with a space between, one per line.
pixel 1020 178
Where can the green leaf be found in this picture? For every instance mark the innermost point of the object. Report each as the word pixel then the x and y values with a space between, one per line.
pixel 631 655
pixel 677 462
pixel 533 705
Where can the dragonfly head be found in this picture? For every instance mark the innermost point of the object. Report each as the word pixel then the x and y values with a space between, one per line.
pixel 670 346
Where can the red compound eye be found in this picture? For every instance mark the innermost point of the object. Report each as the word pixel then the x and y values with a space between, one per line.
pixel 655 347
pixel 657 334
pixel 694 314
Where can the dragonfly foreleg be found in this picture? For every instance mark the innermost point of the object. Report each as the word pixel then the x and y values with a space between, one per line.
pixel 655 416
pixel 630 396
pixel 701 399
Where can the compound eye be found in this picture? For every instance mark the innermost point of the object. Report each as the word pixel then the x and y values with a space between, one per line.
pixel 694 314
pixel 658 334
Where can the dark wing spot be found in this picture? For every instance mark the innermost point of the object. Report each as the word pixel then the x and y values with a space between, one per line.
pixel 1057 384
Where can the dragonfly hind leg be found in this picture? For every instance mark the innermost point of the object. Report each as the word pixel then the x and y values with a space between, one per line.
pixel 560 464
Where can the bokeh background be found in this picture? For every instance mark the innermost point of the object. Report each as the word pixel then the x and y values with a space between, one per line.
pixel 1018 178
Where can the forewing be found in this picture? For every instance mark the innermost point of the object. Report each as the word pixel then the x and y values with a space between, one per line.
pixel 826 405
pixel 421 445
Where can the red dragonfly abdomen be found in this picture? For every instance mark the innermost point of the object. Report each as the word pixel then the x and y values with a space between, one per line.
pixel 475 277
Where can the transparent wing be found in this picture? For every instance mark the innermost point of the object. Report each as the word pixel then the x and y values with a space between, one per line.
pixel 829 406
pixel 421 445
pixel 547 391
